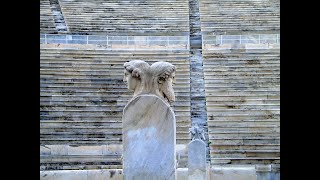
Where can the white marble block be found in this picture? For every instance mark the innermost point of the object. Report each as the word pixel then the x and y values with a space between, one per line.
pixel 197 160
pixel 149 139
pixel 233 173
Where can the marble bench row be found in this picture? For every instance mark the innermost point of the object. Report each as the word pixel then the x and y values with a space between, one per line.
pixel 247 172
pixel 46 18
pixel 119 17
pixel 243 105
pixel 234 16
pixel 82 93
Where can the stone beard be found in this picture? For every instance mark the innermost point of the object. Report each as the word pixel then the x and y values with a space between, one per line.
pixel 157 79
pixel 166 90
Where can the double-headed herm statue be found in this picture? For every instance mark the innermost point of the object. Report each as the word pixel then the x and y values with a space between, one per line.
pixel 157 79
pixel 149 127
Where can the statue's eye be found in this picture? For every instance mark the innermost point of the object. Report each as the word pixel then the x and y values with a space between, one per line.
pixel 162 79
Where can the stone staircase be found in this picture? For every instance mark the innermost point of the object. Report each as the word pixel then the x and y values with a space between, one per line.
pixel 240 17
pixel 82 95
pixel 243 105
pixel 46 18
pixel 116 17
pixel 233 92
pixel 69 157
pixel 58 17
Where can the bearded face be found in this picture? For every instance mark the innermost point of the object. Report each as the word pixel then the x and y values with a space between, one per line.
pixel 157 79
pixel 166 89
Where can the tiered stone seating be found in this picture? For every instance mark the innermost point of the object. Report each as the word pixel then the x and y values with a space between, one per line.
pixel 115 17
pixel 243 105
pixel 82 97
pixel 46 18
pixel 240 17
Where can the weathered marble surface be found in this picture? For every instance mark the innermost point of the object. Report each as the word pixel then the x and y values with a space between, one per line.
pixel 149 139
pixel 270 171
pixel 157 79
pixel 110 174
pixel 101 174
pixel 233 173
pixel 197 160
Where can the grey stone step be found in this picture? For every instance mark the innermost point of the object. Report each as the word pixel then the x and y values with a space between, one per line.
pixel 72 90
pixel 77 13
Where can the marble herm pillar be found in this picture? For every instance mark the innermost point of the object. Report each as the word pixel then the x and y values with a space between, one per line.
pixel 197 160
pixel 149 139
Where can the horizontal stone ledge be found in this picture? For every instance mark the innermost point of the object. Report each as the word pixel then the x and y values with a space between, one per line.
pixel 270 54
pixel 245 146
pixel 95 69
pixel 243 132
pixel 116 57
pixel 88 51
pixel 247 158
pixel 263 168
pixel 115 174
pixel 106 134
pixel 94 74
pixel 247 172
pixel 178 24
pixel 244 138
pixel 134 48
pixel 211 62
pixel 50 108
pixel 244 121
pixel 240 143
pixel 80 150
pixel 79 141
pixel 213 125
pixel 228 52
pixel 77 115
pixel 244 106
pixel 182 117
pixel 57 166
pixel 245 151
pixel 181 62
pixel 117 72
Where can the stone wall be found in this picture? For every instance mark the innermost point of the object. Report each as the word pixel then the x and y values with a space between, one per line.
pixel 240 17
pixel 82 97
pixel 214 173
pixel 46 18
pixel 82 94
pixel 243 104
pixel 118 17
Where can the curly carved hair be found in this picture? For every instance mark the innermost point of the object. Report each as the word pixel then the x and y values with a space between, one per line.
pixel 136 67
pixel 163 70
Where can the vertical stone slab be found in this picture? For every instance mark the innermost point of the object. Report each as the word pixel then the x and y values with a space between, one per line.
pixel 268 172
pixel 182 173
pixel 149 139
pixel 197 160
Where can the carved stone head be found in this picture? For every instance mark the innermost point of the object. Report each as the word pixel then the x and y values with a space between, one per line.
pixel 163 74
pixel 156 79
pixel 135 74
pixel 197 132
